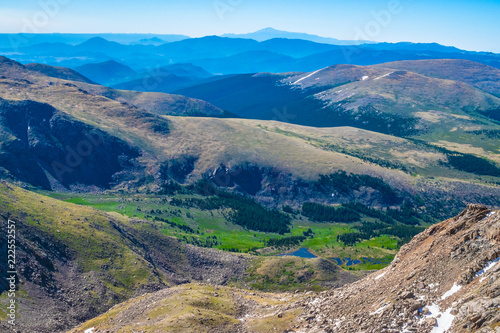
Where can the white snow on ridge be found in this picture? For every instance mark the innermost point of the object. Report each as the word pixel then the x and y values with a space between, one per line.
pixel 444 319
pixel 452 291
pixel 307 76
pixel 90 330
pixel 365 78
pixel 489 214
pixel 377 78
pixel 487 268
pixel 381 309
pixel 381 275
pixel 316 301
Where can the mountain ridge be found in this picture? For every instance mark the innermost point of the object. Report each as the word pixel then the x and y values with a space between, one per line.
pixel 340 94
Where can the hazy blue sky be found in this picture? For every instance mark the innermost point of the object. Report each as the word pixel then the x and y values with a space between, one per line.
pixel 472 25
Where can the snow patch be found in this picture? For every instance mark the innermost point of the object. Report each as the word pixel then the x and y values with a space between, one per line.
pixel 444 319
pixel 380 310
pixel 489 214
pixel 90 330
pixel 488 266
pixel 378 78
pixel 307 76
pixel 365 78
pixel 406 329
pixel 452 291
pixel 245 317
pixel 380 276
pixel 316 301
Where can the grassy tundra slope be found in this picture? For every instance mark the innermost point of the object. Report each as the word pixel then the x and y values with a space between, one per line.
pixel 78 257
pixel 388 98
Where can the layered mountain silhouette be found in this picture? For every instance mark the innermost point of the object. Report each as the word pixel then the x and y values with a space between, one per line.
pixel 270 33
pixel 224 55
pixel 106 73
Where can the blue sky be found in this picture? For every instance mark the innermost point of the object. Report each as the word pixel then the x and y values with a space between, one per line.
pixel 471 25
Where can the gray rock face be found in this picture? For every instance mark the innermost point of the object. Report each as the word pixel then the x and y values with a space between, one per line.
pixel 446 277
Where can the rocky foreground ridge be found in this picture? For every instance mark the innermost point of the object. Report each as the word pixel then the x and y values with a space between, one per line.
pixel 445 280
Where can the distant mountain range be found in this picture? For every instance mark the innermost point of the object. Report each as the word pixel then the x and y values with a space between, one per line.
pixel 164 79
pixel 270 33
pixel 15 41
pixel 223 55
pixel 150 159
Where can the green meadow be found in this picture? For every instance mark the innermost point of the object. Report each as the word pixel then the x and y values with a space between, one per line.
pixel 211 228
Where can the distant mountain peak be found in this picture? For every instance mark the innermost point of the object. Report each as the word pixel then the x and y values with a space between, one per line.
pixel 98 42
pixel 270 33
pixel 269 29
pixel 112 62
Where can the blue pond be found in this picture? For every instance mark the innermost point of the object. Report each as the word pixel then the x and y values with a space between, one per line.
pixel 352 262
pixel 303 253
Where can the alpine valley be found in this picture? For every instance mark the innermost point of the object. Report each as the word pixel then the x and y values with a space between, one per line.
pixel 268 182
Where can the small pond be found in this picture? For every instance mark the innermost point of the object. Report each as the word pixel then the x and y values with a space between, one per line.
pixel 303 253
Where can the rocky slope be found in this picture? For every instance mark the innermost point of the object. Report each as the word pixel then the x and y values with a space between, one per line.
pixel 43 146
pixel 445 280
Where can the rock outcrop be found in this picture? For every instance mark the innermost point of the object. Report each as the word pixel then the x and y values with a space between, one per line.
pixel 445 280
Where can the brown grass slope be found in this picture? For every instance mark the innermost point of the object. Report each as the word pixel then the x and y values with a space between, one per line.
pixel 154 102
pixel 75 262
pixel 420 97
pixel 479 75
